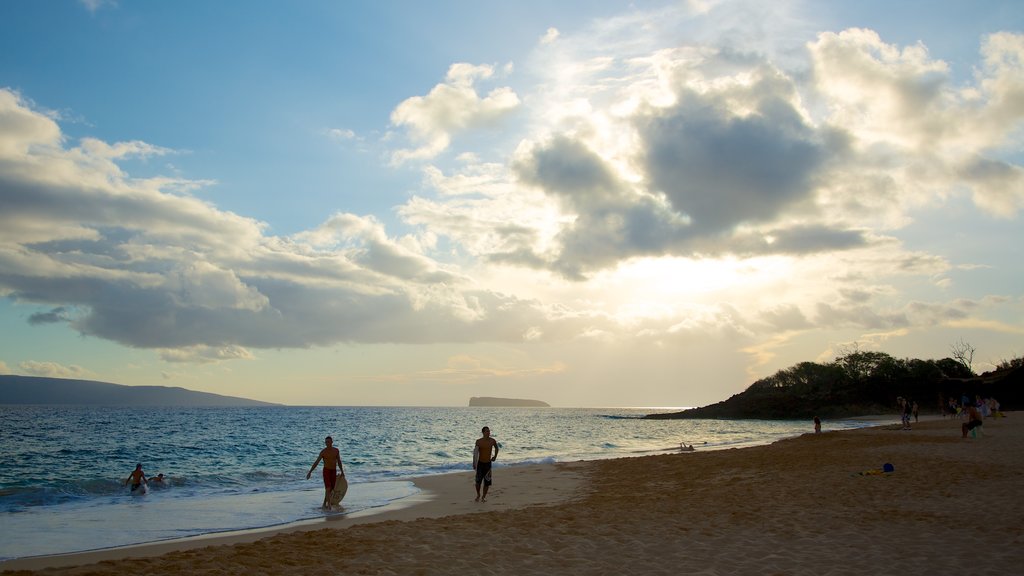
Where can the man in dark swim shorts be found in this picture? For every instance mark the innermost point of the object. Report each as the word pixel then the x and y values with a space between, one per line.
pixel 973 420
pixel 332 464
pixel 137 478
pixel 482 464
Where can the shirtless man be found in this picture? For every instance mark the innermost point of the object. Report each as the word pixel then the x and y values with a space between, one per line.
pixel 137 478
pixel 332 465
pixel 482 464
pixel 973 420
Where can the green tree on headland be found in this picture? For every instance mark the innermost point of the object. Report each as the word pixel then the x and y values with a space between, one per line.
pixel 859 383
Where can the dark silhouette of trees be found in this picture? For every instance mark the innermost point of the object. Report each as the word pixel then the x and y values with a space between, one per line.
pixel 861 382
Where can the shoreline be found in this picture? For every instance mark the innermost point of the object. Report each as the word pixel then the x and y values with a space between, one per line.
pixel 424 494
pixel 797 506
pixel 440 495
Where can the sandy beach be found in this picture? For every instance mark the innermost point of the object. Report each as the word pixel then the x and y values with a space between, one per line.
pixel 800 506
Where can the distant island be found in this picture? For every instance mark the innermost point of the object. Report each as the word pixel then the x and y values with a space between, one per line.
pixel 514 402
pixel 862 384
pixel 37 390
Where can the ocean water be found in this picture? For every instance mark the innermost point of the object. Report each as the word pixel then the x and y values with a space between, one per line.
pixel 62 469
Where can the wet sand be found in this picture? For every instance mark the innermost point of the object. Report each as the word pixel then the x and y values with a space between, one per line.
pixel 799 506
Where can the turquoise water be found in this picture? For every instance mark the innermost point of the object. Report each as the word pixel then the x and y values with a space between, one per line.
pixel 62 468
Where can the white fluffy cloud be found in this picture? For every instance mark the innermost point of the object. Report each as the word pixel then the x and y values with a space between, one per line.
pixel 451 107
pixel 911 127
pixel 138 262
pixel 698 151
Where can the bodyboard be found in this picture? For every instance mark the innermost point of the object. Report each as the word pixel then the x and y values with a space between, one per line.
pixel 340 488
pixel 476 456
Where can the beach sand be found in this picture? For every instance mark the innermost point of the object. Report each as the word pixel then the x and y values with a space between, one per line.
pixel 799 506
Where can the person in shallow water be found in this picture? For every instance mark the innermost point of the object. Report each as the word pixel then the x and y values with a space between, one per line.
pixel 137 478
pixel 332 465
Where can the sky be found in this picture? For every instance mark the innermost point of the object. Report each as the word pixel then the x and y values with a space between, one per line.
pixel 587 203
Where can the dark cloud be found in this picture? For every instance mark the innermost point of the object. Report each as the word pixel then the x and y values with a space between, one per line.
pixel 723 169
pixel 567 169
pixel 55 316
pixel 612 220
pixel 811 239
pixel 721 172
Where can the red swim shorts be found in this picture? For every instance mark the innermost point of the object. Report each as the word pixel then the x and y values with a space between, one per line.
pixel 330 478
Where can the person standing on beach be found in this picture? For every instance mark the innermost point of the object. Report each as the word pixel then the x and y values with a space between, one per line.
pixel 137 478
pixel 906 408
pixel 485 447
pixel 332 465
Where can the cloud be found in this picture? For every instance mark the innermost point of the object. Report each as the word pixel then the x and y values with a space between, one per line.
pixel 55 316
pixel 707 150
pixel 148 266
pixel 204 354
pixel 3 368
pixel 53 370
pixel 723 167
pixel 914 132
pixel 342 134
pixel 721 159
pixel 451 107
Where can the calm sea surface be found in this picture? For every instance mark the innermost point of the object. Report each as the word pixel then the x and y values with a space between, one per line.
pixel 62 469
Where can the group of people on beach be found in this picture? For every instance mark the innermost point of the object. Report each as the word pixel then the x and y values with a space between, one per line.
pixel 908 409
pixel 986 406
pixel 485 452
pixel 973 413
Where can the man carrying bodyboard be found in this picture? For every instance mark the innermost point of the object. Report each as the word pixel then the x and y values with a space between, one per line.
pixel 333 492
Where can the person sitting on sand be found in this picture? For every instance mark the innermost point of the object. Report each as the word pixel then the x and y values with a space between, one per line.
pixel 973 420
pixel 332 465
pixel 137 478
pixel 482 464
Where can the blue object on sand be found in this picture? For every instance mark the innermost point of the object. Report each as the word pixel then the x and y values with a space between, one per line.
pixel 888 467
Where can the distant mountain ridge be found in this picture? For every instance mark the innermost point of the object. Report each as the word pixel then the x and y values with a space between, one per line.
pixel 489 401
pixel 40 390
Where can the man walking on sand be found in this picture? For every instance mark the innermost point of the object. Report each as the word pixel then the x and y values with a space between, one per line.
pixel 332 465
pixel 482 463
